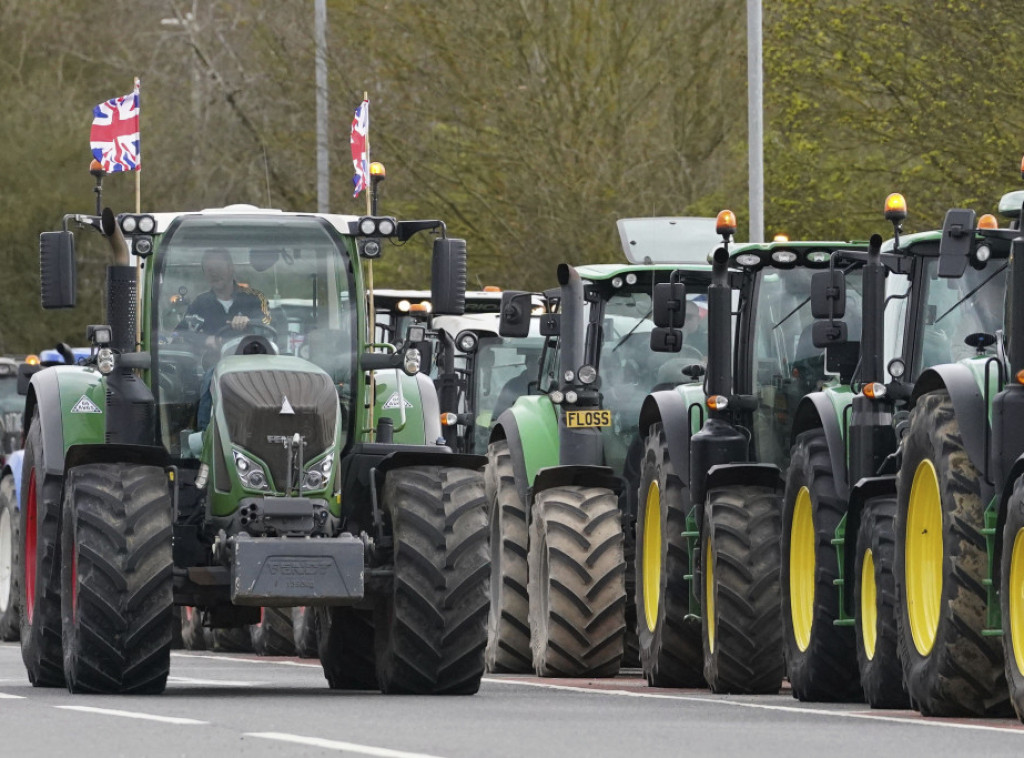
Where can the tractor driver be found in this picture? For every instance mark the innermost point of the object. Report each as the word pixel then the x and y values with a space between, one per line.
pixel 226 303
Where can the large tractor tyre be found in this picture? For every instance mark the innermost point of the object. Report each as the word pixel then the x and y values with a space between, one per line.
pixel 874 598
pixel 177 641
pixel 949 666
pixel 304 631
pixel 577 583
pixel 193 635
pixel 345 643
pixel 432 626
pixel 274 634
pixel 631 645
pixel 508 623
pixel 10 562
pixel 740 593
pixel 668 636
pixel 821 658
pixel 41 646
pixel 230 639
pixel 116 578
pixel 1011 597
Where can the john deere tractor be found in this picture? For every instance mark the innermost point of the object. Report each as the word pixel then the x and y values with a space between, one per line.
pixel 243 452
pixel 715 450
pixel 564 462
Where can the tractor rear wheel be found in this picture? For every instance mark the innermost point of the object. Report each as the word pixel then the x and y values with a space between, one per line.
pixel 577 583
pixel 116 578
pixel 41 646
pixel 741 600
pixel 1011 596
pixel 346 647
pixel 10 560
pixel 431 628
pixel 193 635
pixel 230 639
pixel 274 634
pixel 821 658
pixel 881 676
pixel 304 631
pixel 949 666
pixel 508 623
pixel 669 637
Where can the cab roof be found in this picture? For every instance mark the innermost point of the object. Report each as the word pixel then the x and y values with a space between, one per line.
pixel 668 239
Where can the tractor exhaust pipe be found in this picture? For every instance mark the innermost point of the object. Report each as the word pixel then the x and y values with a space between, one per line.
pixel 118 244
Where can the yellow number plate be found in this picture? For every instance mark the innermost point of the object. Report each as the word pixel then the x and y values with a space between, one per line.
pixel 587 419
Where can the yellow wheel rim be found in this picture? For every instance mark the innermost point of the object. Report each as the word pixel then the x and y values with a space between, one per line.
pixel 868 607
pixel 1016 596
pixel 709 593
pixel 652 555
pixel 801 569
pixel 923 570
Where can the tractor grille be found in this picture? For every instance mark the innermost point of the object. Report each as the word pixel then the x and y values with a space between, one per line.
pixel 252 402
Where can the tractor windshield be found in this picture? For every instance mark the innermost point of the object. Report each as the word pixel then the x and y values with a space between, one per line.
pixel 250 284
pixel 504 368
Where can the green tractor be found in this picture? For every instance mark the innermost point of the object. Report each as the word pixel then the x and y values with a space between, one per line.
pixel 715 449
pixel 564 460
pixel 235 442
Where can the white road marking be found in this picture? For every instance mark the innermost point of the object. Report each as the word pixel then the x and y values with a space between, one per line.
pixel 130 714
pixel 233 659
pixel 211 682
pixel 380 752
pixel 5 696
pixel 920 721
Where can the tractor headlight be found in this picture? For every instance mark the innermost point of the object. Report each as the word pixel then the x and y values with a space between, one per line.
pixel 129 224
pixel 147 224
pixel 318 474
pixel 587 374
pixel 105 360
pixel 250 472
pixel 556 397
pixel 367 226
pixel 411 361
pixel 571 397
pixel 386 227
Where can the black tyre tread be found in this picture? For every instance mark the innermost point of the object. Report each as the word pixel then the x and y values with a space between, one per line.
pixel 881 676
pixel 1014 524
pixel 431 629
pixel 631 651
pixel 193 635
pixel 964 673
pixel 577 583
pixel 304 631
pixel 671 654
pixel 743 526
pixel 345 641
pixel 827 670
pixel 508 623
pixel 10 616
pixel 230 639
pixel 274 634
pixel 41 644
pixel 117 521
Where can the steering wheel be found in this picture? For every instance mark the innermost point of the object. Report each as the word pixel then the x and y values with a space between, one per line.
pixel 253 327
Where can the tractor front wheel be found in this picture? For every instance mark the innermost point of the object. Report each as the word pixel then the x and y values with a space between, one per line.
pixel 577 583
pixel 10 562
pixel 345 638
pixel 304 631
pixel 274 634
pixel 1011 596
pixel 432 626
pixel 116 579
pixel 193 635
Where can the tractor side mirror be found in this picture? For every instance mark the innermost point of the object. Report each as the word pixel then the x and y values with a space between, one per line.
pixel 955 245
pixel 665 339
pixel 551 324
pixel 25 373
pixel 828 333
pixel 669 304
pixel 828 294
pixel 515 314
pixel 57 273
pixel 448 277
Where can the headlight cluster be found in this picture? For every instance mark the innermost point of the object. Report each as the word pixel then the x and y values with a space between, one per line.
pixel 250 472
pixel 318 474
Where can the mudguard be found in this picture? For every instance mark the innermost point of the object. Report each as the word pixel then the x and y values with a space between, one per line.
pixel 12 466
pixel 750 474
pixel 969 407
pixel 1016 472
pixel 862 491
pixel 672 408
pixel 72 403
pixel 530 427
pixel 580 476
pixel 825 410
pixel 422 410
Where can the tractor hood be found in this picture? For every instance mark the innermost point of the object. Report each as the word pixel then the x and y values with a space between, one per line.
pixel 265 399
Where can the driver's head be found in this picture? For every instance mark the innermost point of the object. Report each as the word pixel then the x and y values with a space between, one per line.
pixel 219 270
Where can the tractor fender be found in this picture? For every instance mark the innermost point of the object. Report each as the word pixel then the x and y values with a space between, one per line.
pixel 820 410
pixel 747 474
pixel 672 409
pixel 862 491
pixel 57 392
pixel 530 427
pixel 105 452
pixel 12 466
pixel 577 476
pixel 968 406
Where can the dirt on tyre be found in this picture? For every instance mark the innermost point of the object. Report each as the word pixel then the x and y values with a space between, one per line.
pixel 345 644
pixel 508 623
pixel 669 637
pixel 740 592
pixel 821 658
pixel 274 634
pixel 577 583
pixel 304 631
pixel 431 628
pixel 116 578
pixel 10 562
pixel 950 668
pixel 881 676
pixel 40 634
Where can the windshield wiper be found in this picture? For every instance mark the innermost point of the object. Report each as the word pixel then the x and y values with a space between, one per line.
pixel 629 334
pixel 956 305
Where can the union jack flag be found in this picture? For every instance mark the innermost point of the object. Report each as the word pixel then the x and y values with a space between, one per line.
pixel 115 133
pixel 360 147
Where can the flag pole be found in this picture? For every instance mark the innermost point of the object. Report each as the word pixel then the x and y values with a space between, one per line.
pixel 372 320
pixel 138 169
